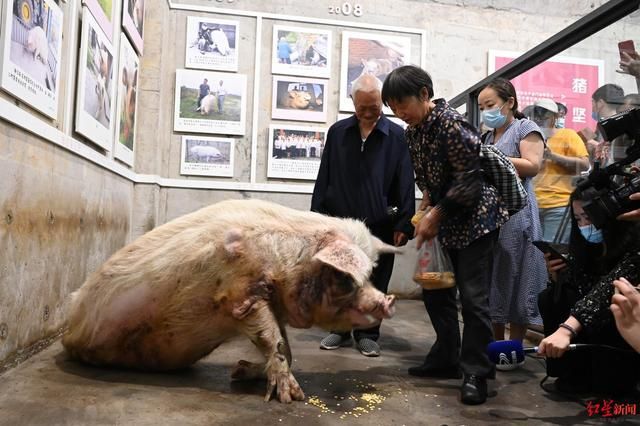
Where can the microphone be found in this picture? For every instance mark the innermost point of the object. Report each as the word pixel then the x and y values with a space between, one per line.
pixel 512 351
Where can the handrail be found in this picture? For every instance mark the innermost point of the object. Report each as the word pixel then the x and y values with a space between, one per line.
pixel 590 24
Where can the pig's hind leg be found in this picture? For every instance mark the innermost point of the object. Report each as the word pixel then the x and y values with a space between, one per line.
pixel 262 327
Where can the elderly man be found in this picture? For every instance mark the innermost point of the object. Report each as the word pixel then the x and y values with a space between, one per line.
pixel 366 173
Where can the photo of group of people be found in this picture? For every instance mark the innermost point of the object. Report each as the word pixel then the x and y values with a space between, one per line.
pixel 295 151
pixel 31 46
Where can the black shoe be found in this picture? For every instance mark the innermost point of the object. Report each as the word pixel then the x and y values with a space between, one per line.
pixel 473 390
pixel 437 372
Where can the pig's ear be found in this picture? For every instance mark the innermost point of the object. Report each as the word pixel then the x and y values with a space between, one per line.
pixel 381 247
pixel 347 258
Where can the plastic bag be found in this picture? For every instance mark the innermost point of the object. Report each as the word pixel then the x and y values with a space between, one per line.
pixel 434 269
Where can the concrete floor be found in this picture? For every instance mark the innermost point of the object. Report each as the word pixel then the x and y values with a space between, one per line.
pixel 342 387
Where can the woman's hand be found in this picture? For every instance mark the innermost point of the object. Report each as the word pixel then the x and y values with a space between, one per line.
pixel 630 64
pixel 428 226
pixel 625 305
pixel 556 345
pixel 554 265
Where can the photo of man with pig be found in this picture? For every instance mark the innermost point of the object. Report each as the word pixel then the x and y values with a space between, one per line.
pixel 221 110
pixel 127 101
pixel 374 54
pixel 299 99
pixel 300 51
pixel 204 156
pixel 295 151
pixel 211 44
pixel 96 84
pixel 31 41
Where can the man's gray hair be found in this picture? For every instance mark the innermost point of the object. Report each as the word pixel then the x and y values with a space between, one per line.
pixel 366 83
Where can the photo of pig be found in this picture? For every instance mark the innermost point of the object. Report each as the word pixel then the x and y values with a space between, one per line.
pixel 206 156
pixel 127 101
pixel 299 99
pixel 95 107
pixel 211 44
pixel 210 102
pixel 236 268
pixel 32 40
pixel 373 54
pixel 98 79
pixel 301 51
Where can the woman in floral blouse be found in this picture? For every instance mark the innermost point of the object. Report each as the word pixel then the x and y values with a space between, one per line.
pixel 466 214
pixel 575 306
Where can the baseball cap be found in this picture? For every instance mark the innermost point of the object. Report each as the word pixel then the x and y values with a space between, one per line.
pixel 547 104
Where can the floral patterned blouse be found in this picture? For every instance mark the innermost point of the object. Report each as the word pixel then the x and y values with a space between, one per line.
pixel 445 151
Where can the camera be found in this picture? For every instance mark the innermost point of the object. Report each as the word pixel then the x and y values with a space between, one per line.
pixel 606 191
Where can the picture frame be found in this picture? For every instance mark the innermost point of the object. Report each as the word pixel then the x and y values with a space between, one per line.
pixel 104 13
pixel 367 53
pixel 301 51
pixel 189 116
pixel 212 44
pixel 31 48
pixel 295 151
pixel 94 116
pixel 127 102
pixel 207 156
pixel 133 22
pixel 299 98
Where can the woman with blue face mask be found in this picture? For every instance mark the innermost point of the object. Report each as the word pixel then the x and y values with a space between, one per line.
pixel 575 307
pixel 519 272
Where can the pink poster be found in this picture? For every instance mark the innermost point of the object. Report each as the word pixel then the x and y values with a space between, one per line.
pixel 570 81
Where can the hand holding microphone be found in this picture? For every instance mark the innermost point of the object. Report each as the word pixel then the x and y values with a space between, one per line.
pixel 511 352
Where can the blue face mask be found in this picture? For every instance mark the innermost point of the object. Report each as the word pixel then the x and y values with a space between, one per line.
pixel 591 234
pixel 595 116
pixel 494 118
pixel 560 123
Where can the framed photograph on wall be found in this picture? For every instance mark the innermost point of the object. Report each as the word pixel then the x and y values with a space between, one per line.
pixel 295 151
pixel 210 102
pixel 133 22
pixel 96 84
pixel 31 48
pixel 376 54
pixel 212 44
pixel 104 13
pixel 129 66
pixel 301 51
pixel 206 156
pixel 297 98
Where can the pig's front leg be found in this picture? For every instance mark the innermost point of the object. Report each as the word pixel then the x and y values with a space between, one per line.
pixel 264 331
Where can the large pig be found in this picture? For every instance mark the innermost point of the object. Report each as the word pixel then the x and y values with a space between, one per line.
pixel 37 44
pixel 237 267
pixel 208 103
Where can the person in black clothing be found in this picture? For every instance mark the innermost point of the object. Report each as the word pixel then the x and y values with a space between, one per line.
pixel 365 170
pixel 204 91
pixel 575 307
pixel 466 213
